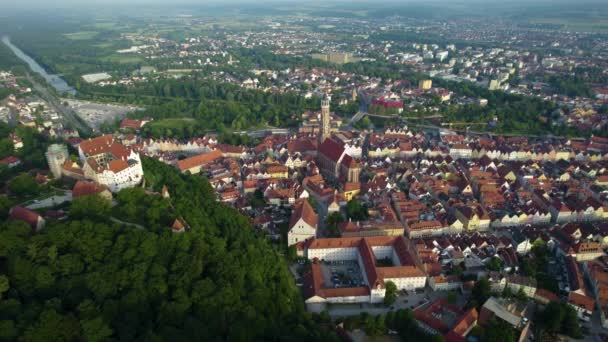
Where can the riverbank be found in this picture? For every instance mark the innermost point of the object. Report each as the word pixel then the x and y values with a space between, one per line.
pixel 60 85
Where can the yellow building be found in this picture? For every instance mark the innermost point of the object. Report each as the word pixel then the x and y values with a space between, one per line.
pixel 425 84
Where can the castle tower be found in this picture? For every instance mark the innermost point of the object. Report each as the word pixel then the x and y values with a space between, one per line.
pixel 56 156
pixel 325 119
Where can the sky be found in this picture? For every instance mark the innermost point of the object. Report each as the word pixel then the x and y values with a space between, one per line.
pixel 75 4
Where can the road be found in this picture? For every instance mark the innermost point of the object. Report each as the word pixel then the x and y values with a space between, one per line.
pixel 51 201
pixel 410 301
pixel 139 226
pixel 68 114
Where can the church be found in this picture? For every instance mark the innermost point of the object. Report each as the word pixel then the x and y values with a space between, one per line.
pixel 333 161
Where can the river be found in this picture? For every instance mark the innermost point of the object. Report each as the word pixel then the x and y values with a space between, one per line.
pixel 57 82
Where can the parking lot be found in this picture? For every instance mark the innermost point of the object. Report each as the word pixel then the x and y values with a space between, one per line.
pixel 338 274
pixel 94 114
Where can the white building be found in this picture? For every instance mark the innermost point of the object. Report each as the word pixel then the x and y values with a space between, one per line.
pixel 405 272
pixel 302 224
pixel 110 163
pixel 56 155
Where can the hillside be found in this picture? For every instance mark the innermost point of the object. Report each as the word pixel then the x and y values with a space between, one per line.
pixel 97 280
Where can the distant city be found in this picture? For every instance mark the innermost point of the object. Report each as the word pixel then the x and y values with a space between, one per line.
pixel 401 172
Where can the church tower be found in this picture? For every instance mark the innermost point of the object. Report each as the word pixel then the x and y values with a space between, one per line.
pixel 325 119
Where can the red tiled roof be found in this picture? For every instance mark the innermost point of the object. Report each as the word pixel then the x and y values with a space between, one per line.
pixel 579 300
pixel 117 165
pixel 331 149
pixel 131 123
pixel 386 103
pixel 198 160
pixel 177 225
pixel 10 160
pixel 92 146
pixel 542 293
pixel 303 210
pixel 23 214
pixel 348 161
pixel 84 188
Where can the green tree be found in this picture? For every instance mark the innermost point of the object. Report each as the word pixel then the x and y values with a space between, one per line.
pixel 391 293
pixel 521 295
pixel 6 148
pixel 5 206
pixel 331 224
pixel 495 264
pixel 4 285
pixel 452 297
pixel 8 330
pixel 92 206
pixel 116 279
pixel 481 292
pixel 23 185
pixel 257 200
pixel 498 331
pixel 95 330
pixel 356 211
pixel 313 202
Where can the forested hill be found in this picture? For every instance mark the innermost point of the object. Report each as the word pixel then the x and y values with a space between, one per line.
pixel 96 280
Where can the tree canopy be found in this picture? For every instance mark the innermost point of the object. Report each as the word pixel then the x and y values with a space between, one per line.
pixel 90 278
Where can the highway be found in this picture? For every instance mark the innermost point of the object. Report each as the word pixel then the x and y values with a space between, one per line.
pixel 70 117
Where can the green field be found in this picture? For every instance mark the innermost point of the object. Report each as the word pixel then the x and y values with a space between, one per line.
pixel 123 58
pixel 600 25
pixel 174 125
pixel 105 25
pixel 82 35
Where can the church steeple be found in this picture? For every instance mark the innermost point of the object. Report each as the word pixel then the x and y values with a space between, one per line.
pixel 324 127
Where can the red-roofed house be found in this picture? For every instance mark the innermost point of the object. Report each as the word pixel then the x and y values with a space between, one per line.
pixel 85 188
pixel 194 164
pixel 11 161
pixel 302 224
pixel 441 318
pixel 28 216
pixel 583 305
pixel 133 124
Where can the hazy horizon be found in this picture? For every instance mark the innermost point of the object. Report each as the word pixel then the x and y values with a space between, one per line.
pixel 28 4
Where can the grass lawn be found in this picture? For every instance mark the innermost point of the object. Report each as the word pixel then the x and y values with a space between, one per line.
pixel 82 35
pixel 173 124
pixel 123 58
pixel 105 25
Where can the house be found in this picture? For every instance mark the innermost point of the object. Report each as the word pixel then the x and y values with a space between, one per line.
pixel 445 283
pixel 545 296
pixel 28 216
pixel 11 161
pixel 132 124
pixel 583 305
pixel 178 226
pixel 449 321
pixel 585 251
pixel 505 310
pixel 526 284
pixel 85 188
pixel 194 164
pixel 303 223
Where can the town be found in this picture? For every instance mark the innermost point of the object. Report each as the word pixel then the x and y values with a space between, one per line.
pixel 410 179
